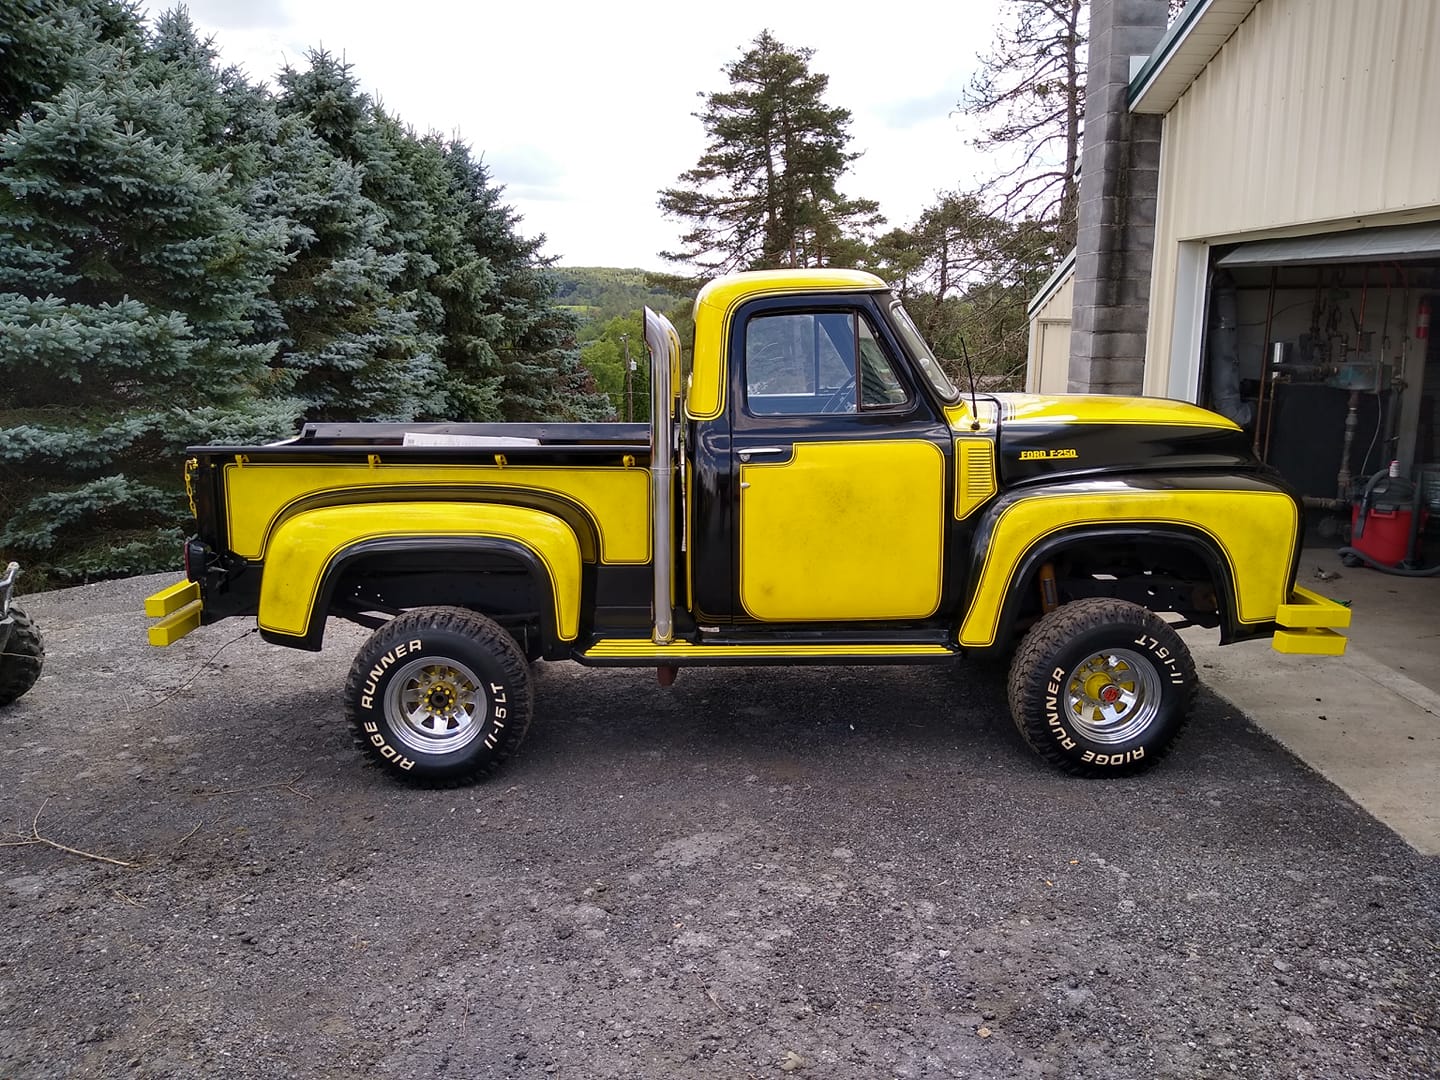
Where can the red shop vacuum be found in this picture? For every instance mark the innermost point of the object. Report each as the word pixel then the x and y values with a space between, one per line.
pixel 1385 526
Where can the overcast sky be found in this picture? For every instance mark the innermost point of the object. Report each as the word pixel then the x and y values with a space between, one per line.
pixel 584 110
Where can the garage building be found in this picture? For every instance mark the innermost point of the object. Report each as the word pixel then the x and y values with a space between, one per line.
pixel 1296 236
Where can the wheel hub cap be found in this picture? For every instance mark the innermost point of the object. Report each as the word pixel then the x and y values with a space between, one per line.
pixel 435 705
pixel 1112 696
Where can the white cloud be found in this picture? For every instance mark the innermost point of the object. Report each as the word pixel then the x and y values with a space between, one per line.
pixel 584 110
pixel 235 14
pixel 527 172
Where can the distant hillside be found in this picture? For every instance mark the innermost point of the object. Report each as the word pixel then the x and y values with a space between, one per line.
pixel 600 293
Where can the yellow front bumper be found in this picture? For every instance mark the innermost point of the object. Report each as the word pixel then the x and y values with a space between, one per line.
pixel 178 609
pixel 1309 624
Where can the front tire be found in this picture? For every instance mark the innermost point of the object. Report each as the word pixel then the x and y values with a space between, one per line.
pixel 22 659
pixel 439 696
pixel 1102 687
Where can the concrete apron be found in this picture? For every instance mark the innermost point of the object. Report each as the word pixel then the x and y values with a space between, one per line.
pixel 1368 727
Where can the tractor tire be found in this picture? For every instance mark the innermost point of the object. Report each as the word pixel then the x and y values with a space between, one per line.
pixel 22 659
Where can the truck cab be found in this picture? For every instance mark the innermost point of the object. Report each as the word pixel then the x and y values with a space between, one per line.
pixel 822 458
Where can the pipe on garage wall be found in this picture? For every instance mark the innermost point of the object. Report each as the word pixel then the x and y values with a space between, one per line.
pixel 1224 338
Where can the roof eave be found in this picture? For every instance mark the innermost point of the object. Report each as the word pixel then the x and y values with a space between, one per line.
pixel 1193 40
pixel 1052 285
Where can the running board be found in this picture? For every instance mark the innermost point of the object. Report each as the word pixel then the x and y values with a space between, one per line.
pixel 643 651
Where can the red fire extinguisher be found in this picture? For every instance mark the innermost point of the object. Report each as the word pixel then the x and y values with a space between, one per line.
pixel 1422 320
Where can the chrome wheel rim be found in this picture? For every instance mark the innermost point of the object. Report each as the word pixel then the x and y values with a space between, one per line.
pixel 435 705
pixel 1112 696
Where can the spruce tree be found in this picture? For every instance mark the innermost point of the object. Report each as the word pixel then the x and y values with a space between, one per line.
pixel 511 351
pixel 186 257
pixel 44 45
pixel 353 334
pixel 128 275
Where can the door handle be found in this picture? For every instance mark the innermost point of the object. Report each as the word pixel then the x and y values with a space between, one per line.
pixel 752 451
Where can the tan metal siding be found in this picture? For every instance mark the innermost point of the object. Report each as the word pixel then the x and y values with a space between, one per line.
pixel 1047 370
pixel 1311 118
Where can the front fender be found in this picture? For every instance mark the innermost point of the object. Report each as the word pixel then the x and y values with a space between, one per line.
pixel 1248 526
pixel 305 548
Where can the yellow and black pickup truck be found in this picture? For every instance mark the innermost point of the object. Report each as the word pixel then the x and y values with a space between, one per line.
pixel 813 490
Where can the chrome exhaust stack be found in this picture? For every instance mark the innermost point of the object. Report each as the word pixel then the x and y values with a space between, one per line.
pixel 664 345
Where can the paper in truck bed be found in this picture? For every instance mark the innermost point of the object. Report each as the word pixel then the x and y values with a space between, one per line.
pixel 435 438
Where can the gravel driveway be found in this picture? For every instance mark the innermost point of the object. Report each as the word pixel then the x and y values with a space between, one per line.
pixel 826 872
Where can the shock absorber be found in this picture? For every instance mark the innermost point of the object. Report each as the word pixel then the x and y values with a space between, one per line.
pixel 1049 592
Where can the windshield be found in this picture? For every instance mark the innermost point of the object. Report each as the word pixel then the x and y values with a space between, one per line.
pixel 934 373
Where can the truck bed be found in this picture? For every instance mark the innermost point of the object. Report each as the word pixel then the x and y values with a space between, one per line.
pixel 600 470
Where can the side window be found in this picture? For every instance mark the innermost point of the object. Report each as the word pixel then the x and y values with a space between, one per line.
pixel 880 387
pixel 805 365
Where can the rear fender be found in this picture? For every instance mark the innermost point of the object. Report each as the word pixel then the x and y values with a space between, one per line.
pixel 308 554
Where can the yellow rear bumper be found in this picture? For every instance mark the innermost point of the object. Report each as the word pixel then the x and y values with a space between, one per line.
pixel 1310 624
pixel 178 609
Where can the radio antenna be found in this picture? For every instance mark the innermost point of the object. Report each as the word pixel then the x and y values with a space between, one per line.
pixel 974 404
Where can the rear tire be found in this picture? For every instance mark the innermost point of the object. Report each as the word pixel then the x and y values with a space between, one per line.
pixel 1102 687
pixel 22 659
pixel 439 697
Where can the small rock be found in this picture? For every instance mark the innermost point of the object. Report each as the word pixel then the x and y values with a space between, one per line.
pixel 1299 1025
pixel 792 1061
pixel 984 1032
pixel 27 887
pixel 1281 966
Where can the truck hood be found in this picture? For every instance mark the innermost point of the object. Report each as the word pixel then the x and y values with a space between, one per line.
pixel 1051 436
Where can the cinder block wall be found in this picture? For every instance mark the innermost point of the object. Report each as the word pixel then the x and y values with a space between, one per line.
pixel 1119 180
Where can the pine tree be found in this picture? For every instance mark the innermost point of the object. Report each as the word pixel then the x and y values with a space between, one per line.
pixel 128 276
pixel 353 334
pixel 186 257
pixel 510 349
pixel 965 273
pixel 45 45
pixel 1030 92
pixel 765 192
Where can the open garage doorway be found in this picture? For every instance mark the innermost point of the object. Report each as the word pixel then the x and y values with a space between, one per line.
pixel 1320 347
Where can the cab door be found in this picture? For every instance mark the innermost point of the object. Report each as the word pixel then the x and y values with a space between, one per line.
pixel 841 465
